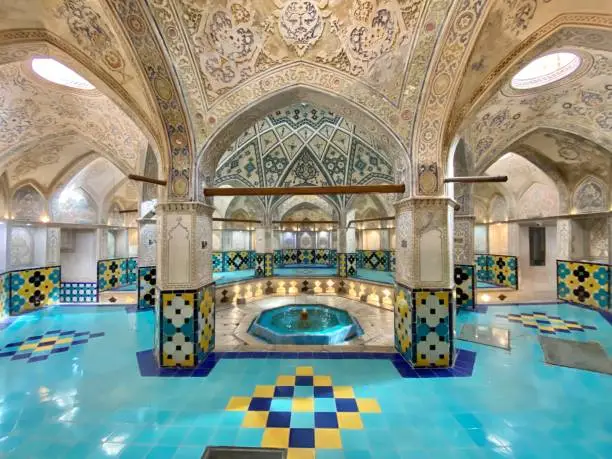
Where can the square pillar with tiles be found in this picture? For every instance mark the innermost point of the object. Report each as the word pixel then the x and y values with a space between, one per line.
pixel 424 310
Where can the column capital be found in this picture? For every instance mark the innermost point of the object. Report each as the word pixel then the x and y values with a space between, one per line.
pixel 191 207
pixel 419 202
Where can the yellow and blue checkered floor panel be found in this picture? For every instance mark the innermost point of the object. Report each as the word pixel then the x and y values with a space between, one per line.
pixel 303 412
pixel 546 323
pixel 40 347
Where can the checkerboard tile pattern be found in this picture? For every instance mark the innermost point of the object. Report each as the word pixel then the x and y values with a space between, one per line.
pixel 544 323
pixel 41 347
pixel 303 412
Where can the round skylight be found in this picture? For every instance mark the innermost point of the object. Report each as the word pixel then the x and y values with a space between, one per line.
pixel 545 70
pixel 58 73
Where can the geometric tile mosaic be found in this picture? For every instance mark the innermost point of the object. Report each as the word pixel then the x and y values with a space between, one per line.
pixel 41 347
pixel 78 292
pixel 544 323
pixel 303 411
pixel 587 284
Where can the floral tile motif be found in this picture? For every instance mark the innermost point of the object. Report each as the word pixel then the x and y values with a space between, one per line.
pixel 584 283
pixel 465 284
pixel 147 280
pixel 32 289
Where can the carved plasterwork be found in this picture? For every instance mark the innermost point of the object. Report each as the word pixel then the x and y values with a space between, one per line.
pixel 590 196
pixel 32 109
pixel 28 203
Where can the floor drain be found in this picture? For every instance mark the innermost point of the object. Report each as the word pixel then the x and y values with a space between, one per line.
pixel 230 452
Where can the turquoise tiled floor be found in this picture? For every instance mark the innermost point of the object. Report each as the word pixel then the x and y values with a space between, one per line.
pixel 481 284
pixel 90 401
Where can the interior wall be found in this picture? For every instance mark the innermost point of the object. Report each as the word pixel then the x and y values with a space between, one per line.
pixel 27 247
pixel 78 255
pixel 133 242
pixel 498 239
pixel 538 278
pixel 480 239
pixel 3 246
pixel 121 243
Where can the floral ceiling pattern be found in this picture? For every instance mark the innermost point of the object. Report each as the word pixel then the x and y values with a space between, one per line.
pixel 302 146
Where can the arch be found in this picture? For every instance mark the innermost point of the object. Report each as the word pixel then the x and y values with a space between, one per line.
pixel 499 210
pixel 251 206
pixel 539 200
pixel 282 206
pixel 40 42
pixel 74 206
pixel 219 142
pixel 28 202
pixel 590 195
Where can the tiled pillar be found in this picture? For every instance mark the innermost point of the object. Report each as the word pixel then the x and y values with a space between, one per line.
pixel 424 307
pixel 264 264
pixel 185 310
pixel 147 261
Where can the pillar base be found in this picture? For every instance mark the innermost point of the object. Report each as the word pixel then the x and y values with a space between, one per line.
pixel 184 326
pixel 423 323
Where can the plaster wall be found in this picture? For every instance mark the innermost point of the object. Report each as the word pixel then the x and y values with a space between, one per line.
pixel 79 262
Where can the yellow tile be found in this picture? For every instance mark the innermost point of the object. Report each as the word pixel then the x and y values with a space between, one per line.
pixel 238 404
pixel 343 392
pixel 25 347
pixel 551 329
pixel 285 381
pixel 46 339
pixel 255 419
pixel 43 348
pixel 304 371
pixel 327 439
pixel 301 453
pixel 63 341
pixel 275 438
pixel 322 381
pixel 264 391
pixel 368 405
pixel 349 421
pixel 302 404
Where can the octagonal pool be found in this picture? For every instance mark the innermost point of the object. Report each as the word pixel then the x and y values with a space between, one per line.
pixel 305 324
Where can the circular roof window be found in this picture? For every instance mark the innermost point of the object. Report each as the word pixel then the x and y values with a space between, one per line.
pixel 58 73
pixel 545 70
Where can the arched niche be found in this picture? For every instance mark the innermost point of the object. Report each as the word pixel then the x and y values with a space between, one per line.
pixel 590 196
pixel 498 208
pixel 74 205
pixel 28 203
pixel 539 200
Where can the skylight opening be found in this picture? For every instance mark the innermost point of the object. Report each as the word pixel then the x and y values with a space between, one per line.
pixel 56 72
pixel 545 70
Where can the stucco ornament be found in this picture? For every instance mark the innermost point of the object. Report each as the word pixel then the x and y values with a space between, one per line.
pixel 301 23
pixel 229 44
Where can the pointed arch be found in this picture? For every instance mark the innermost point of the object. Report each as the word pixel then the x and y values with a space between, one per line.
pixel 590 195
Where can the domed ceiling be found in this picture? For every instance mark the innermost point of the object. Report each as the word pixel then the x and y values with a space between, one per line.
pixel 302 146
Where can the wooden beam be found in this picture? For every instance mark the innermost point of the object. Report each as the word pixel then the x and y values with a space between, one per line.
pixel 235 220
pixel 365 220
pixel 305 190
pixel 141 178
pixel 128 211
pixel 477 179
pixel 306 222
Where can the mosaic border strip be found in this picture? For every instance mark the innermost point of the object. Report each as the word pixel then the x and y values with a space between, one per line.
pixel 464 363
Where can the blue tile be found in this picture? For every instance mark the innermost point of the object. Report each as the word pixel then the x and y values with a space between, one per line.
pixel 325 405
pixel 161 452
pixel 302 420
pixel 301 438
pixel 326 420
pixel 346 405
pixel 283 391
pixel 281 404
pixel 323 392
pixel 279 419
pixel 303 380
pixel 260 404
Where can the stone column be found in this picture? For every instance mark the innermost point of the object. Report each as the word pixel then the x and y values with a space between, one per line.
pixel 464 239
pixel 564 239
pixel 184 310
pixel 147 266
pixel 425 308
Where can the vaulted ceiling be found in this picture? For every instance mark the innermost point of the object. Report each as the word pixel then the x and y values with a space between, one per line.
pixel 396 79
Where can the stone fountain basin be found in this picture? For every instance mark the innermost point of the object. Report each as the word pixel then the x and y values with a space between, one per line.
pixel 326 325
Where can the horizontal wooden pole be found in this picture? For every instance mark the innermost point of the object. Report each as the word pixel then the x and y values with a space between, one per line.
pixel 128 211
pixel 141 178
pixel 235 220
pixel 477 179
pixel 305 222
pixel 305 190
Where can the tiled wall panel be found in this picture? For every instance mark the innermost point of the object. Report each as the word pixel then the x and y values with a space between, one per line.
pixel 501 270
pixel 78 292
pixel 584 283
pixel 402 321
pixel 465 284
pixel 205 331
pixel 4 295
pixel 32 289
pixel 237 260
pixel 147 291
pixel 217 262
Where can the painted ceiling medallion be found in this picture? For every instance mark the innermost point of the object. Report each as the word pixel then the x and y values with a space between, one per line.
pixel 545 70
pixel 56 72
pixel 301 23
